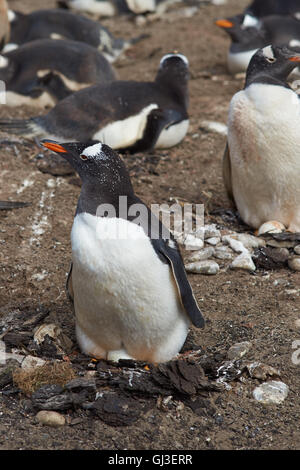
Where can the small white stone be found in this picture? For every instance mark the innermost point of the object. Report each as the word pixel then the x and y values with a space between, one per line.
pixel 297 323
pixel 238 350
pixel 203 267
pixel 203 254
pixel 211 231
pixel 31 362
pixel 249 241
pixel 213 241
pixel 222 252
pixel 214 126
pixel 243 261
pixel 272 226
pixel 297 250
pixel 236 245
pixel 294 264
pixel 190 242
pixel 271 392
pixel 50 418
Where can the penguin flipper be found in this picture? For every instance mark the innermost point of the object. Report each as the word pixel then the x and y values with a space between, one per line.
pixel 158 120
pixel 173 257
pixel 227 173
pixel 69 285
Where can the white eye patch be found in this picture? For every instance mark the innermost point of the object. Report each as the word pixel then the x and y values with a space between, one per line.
pixel 93 150
pixel 268 52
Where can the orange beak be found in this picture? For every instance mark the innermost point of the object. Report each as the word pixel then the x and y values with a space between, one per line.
pixel 295 58
pixel 224 24
pixel 54 147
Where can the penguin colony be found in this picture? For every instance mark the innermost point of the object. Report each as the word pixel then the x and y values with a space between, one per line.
pixel 131 295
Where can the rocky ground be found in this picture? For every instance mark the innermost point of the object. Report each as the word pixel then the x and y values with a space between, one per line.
pixel 204 400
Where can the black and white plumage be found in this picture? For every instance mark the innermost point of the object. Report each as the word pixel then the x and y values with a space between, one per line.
pixel 260 8
pixel 109 8
pixel 61 24
pixel 247 38
pixel 4 24
pixel 128 115
pixel 131 294
pixel 40 73
pixel 261 165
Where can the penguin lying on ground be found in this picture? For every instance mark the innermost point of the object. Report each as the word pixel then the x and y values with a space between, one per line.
pixel 260 8
pixel 114 7
pixel 61 24
pixel 41 73
pixel 246 40
pixel 4 24
pixel 261 165
pixel 131 295
pixel 128 115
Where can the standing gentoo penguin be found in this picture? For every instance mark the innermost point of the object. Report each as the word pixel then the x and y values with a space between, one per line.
pixel 261 165
pixel 4 24
pixel 41 73
pixel 128 115
pixel 131 294
pixel 246 40
pixel 62 24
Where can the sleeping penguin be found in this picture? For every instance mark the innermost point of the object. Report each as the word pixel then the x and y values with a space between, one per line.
pixel 261 165
pixel 127 115
pixel 40 73
pixel 131 295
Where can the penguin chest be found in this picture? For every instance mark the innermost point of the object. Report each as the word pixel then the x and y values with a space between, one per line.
pixel 172 135
pixel 264 144
pixel 123 294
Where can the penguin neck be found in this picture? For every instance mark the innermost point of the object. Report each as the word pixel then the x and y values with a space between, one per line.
pixel 177 86
pixel 265 79
pixel 93 195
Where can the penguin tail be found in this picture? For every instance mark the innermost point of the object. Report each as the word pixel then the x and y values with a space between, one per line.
pixel 24 127
pixel 137 39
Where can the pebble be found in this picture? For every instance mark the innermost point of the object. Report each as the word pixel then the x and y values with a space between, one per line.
pixel 294 264
pixel 203 255
pixel 243 261
pixel 249 241
pixel 222 252
pixel 50 418
pixel 236 245
pixel 258 370
pixel 211 231
pixel 213 240
pixel 297 250
pixel 272 226
pixel 203 267
pixel 238 350
pixel 31 362
pixel 191 242
pixel 272 392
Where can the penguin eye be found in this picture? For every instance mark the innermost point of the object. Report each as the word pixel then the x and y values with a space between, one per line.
pixel 271 59
pixel 83 157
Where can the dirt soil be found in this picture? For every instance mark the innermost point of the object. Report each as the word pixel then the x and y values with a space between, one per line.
pixel 260 307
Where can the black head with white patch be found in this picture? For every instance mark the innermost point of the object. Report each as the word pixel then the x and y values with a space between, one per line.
pixel 173 67
pixel 272 65
pixel 248 35
pixel 102 172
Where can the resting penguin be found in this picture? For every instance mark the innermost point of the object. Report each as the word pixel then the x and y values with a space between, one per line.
pixel 40 73
pixel 128 115
pixel 261 8
pixel 246 40
pixel 62 24
pixel 261 165
pixel 131 295
pixel 4 24
pixel 114 7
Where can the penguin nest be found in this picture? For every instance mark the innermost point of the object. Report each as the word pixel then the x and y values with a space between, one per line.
pixel 30 380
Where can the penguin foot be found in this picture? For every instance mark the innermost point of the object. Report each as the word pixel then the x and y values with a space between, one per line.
pixel 116 355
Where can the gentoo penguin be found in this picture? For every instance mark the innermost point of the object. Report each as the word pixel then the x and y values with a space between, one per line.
pixel 4 24
pixel 62 24
pixel 128 115
pixel 261 8
pixel 246 40
pixel 114 7
pixel 261 165
pixel 131 295
pixel 8 205
pixel 40 73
